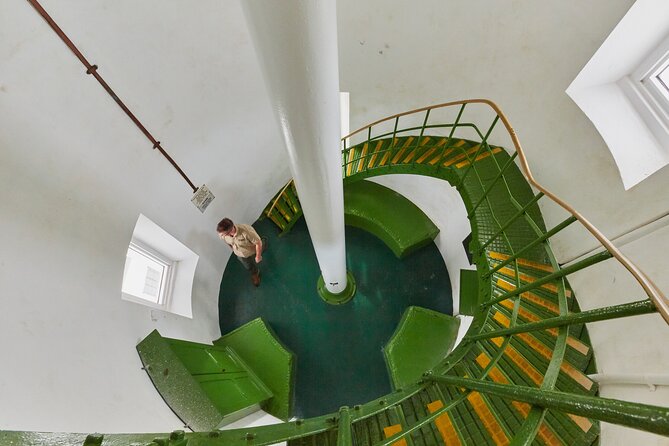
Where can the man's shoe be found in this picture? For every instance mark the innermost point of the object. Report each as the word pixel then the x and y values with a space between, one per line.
pixel 255 278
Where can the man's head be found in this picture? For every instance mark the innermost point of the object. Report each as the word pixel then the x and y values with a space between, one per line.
pixel 225 227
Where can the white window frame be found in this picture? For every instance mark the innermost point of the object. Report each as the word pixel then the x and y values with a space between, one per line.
pixel 648 95
pixel 167 279
pixel 151 240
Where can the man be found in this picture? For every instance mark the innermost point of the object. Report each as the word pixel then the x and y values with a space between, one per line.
pixel 245 243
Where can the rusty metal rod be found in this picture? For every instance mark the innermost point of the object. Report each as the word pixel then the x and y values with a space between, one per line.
pixel 93 69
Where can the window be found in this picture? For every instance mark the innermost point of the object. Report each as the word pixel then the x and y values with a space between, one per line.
pixel 159 270
pixel 148 274
pixel 646 87
pixel 656 79
pixel 623 90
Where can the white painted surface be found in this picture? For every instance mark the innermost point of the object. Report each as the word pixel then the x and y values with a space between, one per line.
pixel 297 45
pixel 345 113
pixel 601 90
pixel 631 346
pixel 465 323
pixel 75 174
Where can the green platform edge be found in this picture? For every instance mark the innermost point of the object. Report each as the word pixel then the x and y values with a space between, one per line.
pixel 181 392
pixel 469 295
pixel 269 358
pixel 423 338
pixel 388 215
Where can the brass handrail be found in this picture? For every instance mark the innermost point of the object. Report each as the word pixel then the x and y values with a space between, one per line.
pixel 656 296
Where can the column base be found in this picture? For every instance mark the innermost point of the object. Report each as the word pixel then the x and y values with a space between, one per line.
pixel 339 298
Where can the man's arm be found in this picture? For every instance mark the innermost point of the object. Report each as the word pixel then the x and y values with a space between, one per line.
pixel 258 251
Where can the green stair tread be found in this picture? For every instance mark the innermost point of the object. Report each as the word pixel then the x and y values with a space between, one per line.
pixel 413 348
pixel 272 361
pixel 399 223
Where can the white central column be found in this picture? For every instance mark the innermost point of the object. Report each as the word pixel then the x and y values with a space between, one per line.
pixel 296 42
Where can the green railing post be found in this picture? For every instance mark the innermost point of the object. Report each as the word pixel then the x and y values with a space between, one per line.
pixel 450 136
pixel 506 225
pixel 420 137
pixel 531 245
pixel 589 261
pixel 492 184
pixel 344 436
pixel 528 430
pixel 600 314
pixel 484 143
pixel 649 418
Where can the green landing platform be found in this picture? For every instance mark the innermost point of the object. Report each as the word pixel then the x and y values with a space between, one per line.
pixel 422 339
pixel 269 358
pixel 206 386
pixel 391 217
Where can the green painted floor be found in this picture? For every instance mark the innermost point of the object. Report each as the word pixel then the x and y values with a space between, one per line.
pixel 338 348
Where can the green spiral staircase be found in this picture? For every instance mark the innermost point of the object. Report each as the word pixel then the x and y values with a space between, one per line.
pixel 520 376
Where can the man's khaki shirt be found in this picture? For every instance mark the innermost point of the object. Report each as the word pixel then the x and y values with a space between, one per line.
pixel 244 241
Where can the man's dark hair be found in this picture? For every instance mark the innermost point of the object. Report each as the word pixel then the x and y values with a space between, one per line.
pixel 224 225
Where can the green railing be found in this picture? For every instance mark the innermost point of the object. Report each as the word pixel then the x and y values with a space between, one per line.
pixel 443 141
pixel 360 159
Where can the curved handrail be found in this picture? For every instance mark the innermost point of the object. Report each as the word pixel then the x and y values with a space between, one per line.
pixel 651 290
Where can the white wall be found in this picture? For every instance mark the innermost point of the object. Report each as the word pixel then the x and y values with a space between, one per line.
pixel 635 345
pixel 75 174
pixel 523 54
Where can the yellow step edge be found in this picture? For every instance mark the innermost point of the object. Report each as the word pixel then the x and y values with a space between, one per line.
pixel 429 152
pixel 488 419
pixel 582 422
pixel 444 425
pixel 506 271
pixel 410 156
pixel 531 297
pixel 523 262
pixel 399 154
pixel 545 433
pixel 483 155
pixel 413 153
pixel 449 149
pixel 527 315
pixel 389 431
pixel 433 148
pixel 547 353
pixel 523 364
pixel 376 153
pixel 349 162
pixel 457 158
pixel 436 159
pixel 384 160
pixel 363 156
